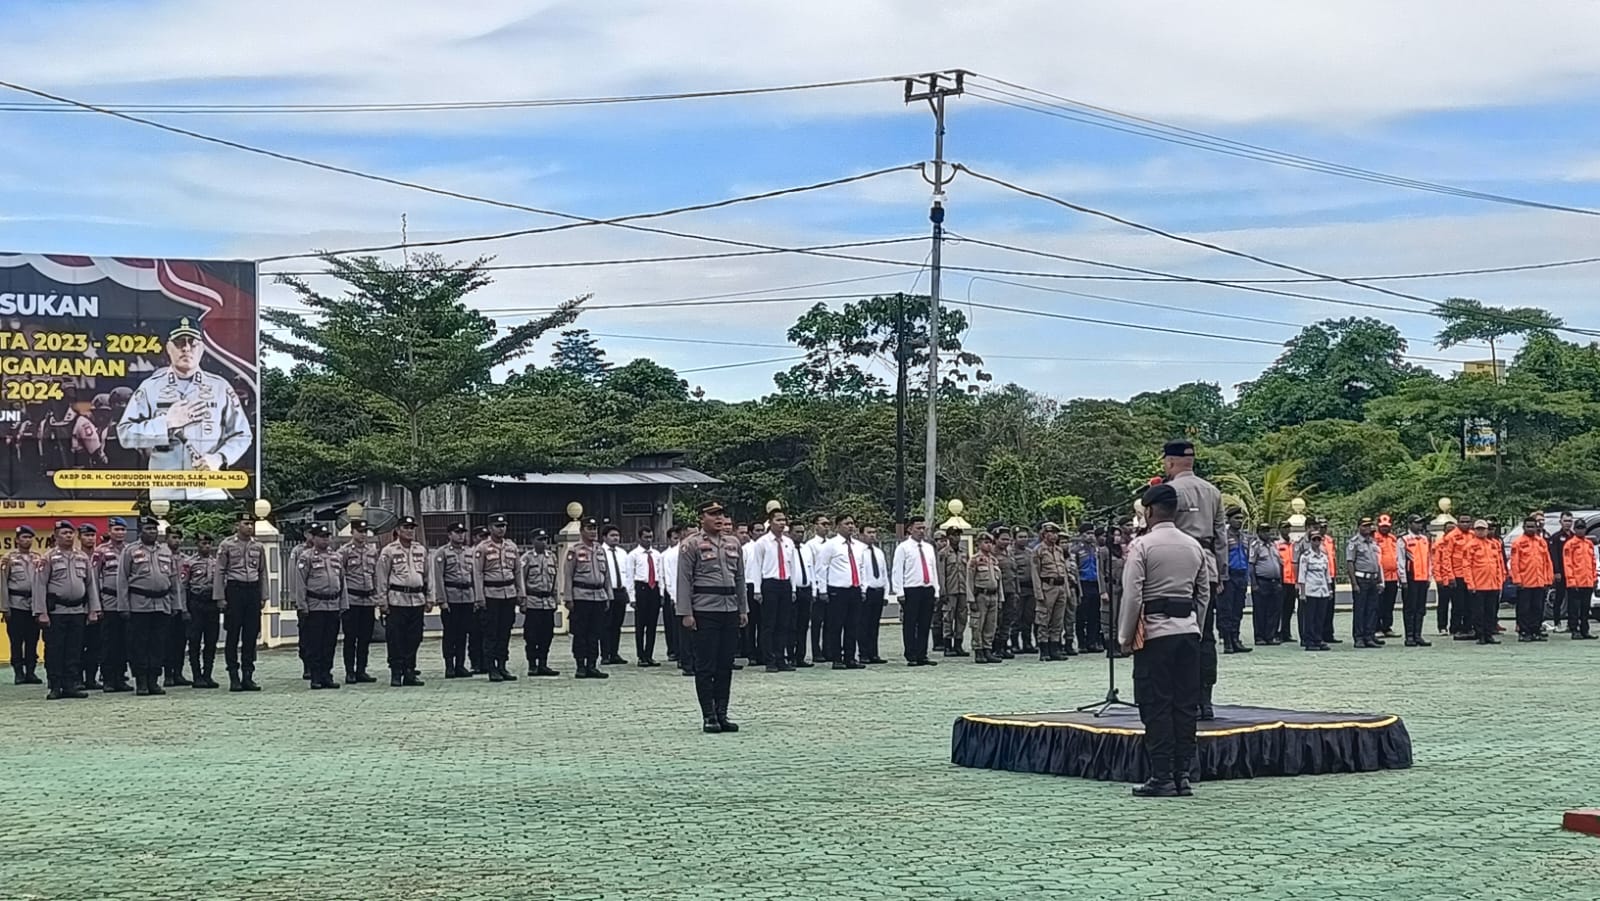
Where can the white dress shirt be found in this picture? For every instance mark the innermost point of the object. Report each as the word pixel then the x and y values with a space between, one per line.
pixel 669 565
pixel 833 564
pixel 616 559
pixel 637 569
pixel 816 545
pixel 747 551
pixel 807 563
pixel 907 572
pixel 869 578
pixel 764 554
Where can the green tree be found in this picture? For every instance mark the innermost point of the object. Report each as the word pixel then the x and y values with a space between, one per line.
pixel 1195 410
pixel 405 337
pixel 1342 456
pixel 841 344
pixel 647 380
pixel 1472 320
pixel 1329 371
pixel 578 353
pixel 1266 501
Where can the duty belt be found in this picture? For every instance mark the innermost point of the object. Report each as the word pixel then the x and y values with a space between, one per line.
pixel 108 592
pixel 1373 576
pixel 322 596
pixel 19 594
pixel 499 583
pixel 403 589
pixel 542 594
pixel 729 590
pixel 1052 580
pixel 589 586
pixel 53 601
pixel 147 593
pixel 359 593
pixel 467 586
pixel 1172 608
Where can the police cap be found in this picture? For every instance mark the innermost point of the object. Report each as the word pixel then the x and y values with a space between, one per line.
pixel 590 522
pixel 184 329
pixel 497 520
pixel 406 522
pixel 711 507
pixel 149 521
pixel 116 522
pixel 1049 527
pixel 244 516
pixel 1160 496
pixel 24 530
pixel 541 535
pixel 358 525
pixel 1285 524
pixel 458 527
pixel 1579 525
pixel 1365 521
pixel 1415 518
pixel 997 531
pixel 1264 527
pixel 985 536
pixel 64 524
pixel 1178 449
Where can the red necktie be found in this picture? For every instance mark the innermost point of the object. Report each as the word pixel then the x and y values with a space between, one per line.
pixel 855 577
pixel 927 577
pixel 651 559
pixel 783 573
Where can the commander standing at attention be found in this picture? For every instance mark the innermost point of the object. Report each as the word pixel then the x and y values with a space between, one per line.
pixel 1165 596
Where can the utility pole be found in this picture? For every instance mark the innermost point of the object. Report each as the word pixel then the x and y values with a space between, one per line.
pixel 934 88
pixel 900 415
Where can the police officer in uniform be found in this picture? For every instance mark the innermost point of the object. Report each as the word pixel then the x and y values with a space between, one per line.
pixel 146 576
pixel 477 631
pixel 497 583
pixel 1050 577
pixel 21 627
pixel 105 642
pixel 539 572
pixel 360 564
pixel 1200 517
pixel 953 578
pixel 986 587
pixel 320 601
pixel 177 635
pixel 452 587
pixel 712 602
pixel 1022 562
pixel 241 562
pixel 1011 594
pixel 403 575
pixel 205 617
pixel 588 592
pixel 1165 588
pixel 65 599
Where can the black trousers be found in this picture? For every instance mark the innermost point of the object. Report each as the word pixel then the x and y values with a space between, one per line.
pixel 777 619
pixel 646 613
pixel 498 619
pixel 616 614
pixel 916 619
pixel 750 635
pixel 1414 607
pixel 1166 680
pixel 205 622
pixel 358 637
pixel 1327 614
pixel 173 645
pixel 871 619
pixel 716 641
pixel 477 626
pixel 1448 609
pixel 589 620
pixel 457 620
pixel 803 603
pixel 1230 606
pixel 1024 625
pixel 1578 609
pixel 1313 620
pixel 1556 605
pixel 670 627
pixel 63 649
pixel 242 622
pixel 319 634
pixel 1087 625
pixel 819 624
pixel 403 635
pixel 1286 611
pixel 23 631
pixel 1266 603
pixel 1364 618
pixel 844 616
pixel 147 633
pixel 1386 599
pixel 1486 612
pixel 538 626
pixel 1208 643
pixel 110 641
pixel 1530 610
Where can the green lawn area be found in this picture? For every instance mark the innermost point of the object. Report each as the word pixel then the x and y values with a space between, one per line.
pixel 839 786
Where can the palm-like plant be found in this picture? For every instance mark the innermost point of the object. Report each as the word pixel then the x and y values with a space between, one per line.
pixel 1268 502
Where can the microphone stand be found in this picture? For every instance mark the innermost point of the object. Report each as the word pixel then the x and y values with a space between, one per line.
pixel 1112 699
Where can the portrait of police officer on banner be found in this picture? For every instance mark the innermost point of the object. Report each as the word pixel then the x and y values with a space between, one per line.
pixel 189 420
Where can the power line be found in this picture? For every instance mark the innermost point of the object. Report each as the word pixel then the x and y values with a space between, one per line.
pixel 1196 242
pixel 1143 362
pixel 468 105
pixel 688 340
pixel 630 261
pixel 618 222
pixel 789 359
pixel 1116 120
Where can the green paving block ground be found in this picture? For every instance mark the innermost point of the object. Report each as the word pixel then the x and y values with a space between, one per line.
pixel 839 787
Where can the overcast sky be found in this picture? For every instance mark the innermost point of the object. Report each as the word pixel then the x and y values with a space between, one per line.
pixel 1494 97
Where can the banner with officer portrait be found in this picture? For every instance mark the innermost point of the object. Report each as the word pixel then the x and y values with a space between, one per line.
pixel 127 378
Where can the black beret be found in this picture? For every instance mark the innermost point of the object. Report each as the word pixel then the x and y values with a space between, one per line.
pixel 1178 449
pixel 1160 495
pixel 24 530
pixel 87 527
pixel 64 524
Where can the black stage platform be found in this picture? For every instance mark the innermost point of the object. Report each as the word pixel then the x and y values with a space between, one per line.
pixel 1241 743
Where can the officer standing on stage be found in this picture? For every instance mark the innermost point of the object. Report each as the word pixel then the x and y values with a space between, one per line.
pixel 587 590
pixel 539 573
pixel 360 564
pixel 146 576
pixel 177 634
pixel 1200 517
pixel 451 571
pixel 21 627
pixel 1165 590
pixel 65 599
pixel 320 601
pixel 712 603
pixel 1050 575
pixel 205 618
pixel 497 584
pixel 985 586
pixel 403 581
pixel 241 564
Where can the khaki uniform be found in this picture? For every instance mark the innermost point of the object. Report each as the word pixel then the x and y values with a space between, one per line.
pixel 586 591
pixel 403 585
pixel 985 581
pixel 1053 614
pixel 953 579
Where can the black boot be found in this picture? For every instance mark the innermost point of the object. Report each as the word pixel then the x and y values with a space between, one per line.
pixel 140 688
pixel 543 669
pixel 175 678
pixel 726 724
pixel 1068 650
pixel 395 679
pixel 1181 780
pixel 233 681
pixel 1044 652
pixel 1239 647
pixel 1206 710
pixel 1154 787
pixel 596 672
pixel 710 726
pixel 410 679
pixel 505 674
pixel 153 685
pixel 248 680
pixel 32 678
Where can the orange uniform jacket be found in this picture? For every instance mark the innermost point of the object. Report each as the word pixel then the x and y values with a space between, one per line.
pixel 1480 563
pixel 1578 563
pixel 1444 551
pixel 1417 557
pixel 1286 557
pixel 1530 562
pixel 1388 556
pixel 1327 546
